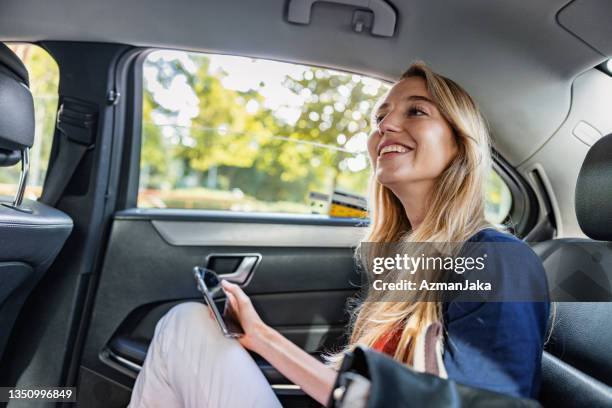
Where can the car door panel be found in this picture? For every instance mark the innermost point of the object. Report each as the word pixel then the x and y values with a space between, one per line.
pixel 300 286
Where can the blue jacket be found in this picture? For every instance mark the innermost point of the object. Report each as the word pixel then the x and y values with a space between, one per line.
pixel 498 345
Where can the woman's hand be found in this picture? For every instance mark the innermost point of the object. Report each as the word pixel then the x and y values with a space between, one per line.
pixel 313 376
pixel 254 328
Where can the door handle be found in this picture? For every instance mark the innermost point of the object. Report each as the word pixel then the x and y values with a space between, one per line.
pixel 243 272
pixel 385 16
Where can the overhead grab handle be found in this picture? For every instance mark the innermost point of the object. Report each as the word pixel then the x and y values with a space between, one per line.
pixel 384 15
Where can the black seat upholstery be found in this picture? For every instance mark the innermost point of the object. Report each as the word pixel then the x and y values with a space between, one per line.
pixel 577 363
pixel 31 233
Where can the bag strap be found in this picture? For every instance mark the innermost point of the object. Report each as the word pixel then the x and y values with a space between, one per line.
pixel 429 350
pixel 76 125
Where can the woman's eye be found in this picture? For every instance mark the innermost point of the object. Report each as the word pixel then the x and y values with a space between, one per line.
pixel 416 111
pixel 379 118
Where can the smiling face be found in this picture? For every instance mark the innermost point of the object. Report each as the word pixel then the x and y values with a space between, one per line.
pixel 411 142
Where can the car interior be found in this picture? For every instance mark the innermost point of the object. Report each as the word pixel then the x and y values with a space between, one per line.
pixel 166 140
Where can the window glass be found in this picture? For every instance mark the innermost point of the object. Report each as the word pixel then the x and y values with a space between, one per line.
pixel 498 199
pixel 241 134
pixel 44 81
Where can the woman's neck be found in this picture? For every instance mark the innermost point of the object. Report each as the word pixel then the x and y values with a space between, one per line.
pixel 414 198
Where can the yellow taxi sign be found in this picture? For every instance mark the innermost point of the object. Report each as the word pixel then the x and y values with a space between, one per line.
pixel 348 205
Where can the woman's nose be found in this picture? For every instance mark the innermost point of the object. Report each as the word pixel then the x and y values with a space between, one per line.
pixel 390 123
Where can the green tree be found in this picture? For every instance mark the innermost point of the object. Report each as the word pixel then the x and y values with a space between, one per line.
pixel 256 150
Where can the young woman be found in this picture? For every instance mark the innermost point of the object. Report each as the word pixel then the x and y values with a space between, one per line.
pixel 430 156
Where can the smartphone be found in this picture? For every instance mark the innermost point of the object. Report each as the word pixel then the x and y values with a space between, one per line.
pixel 209 284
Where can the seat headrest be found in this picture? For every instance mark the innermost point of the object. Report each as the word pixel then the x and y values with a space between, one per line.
pixel 13 63
pixel 16 104
pixel 594 191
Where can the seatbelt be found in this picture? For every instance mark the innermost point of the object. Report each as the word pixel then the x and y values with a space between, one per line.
pixel 76 124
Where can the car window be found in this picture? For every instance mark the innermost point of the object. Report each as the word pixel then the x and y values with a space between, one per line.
pixel 243 134
pixel 44 81
pixel 498 199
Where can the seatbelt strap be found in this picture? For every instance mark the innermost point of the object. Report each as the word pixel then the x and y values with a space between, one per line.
pixel 76 124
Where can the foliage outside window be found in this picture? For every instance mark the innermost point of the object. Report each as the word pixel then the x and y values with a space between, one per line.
pixel 242 134
pixel 44 82
pixel 234 133
pixel 498 199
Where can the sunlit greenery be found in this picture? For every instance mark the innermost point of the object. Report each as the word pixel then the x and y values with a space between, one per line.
pixel 234 142
pixel 499 199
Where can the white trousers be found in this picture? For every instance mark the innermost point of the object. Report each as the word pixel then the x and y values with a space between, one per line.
pixel 191 364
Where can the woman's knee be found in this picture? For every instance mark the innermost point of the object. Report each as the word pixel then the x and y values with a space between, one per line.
pixel 185 319
pixel 187 311
pixel 187 329
pixel 190 315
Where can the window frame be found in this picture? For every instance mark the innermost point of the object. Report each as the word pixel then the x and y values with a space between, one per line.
pixel 523 211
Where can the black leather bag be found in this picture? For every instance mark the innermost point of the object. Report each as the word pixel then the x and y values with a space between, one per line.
pixel 370 379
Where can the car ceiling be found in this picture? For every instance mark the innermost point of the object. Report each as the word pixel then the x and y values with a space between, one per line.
pixel 518 59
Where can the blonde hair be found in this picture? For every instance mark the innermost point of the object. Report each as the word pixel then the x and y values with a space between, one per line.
pixel 456 212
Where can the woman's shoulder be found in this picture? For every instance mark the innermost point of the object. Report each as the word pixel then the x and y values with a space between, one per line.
pixel 504 245
pixel 510 265
pixel 491 234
